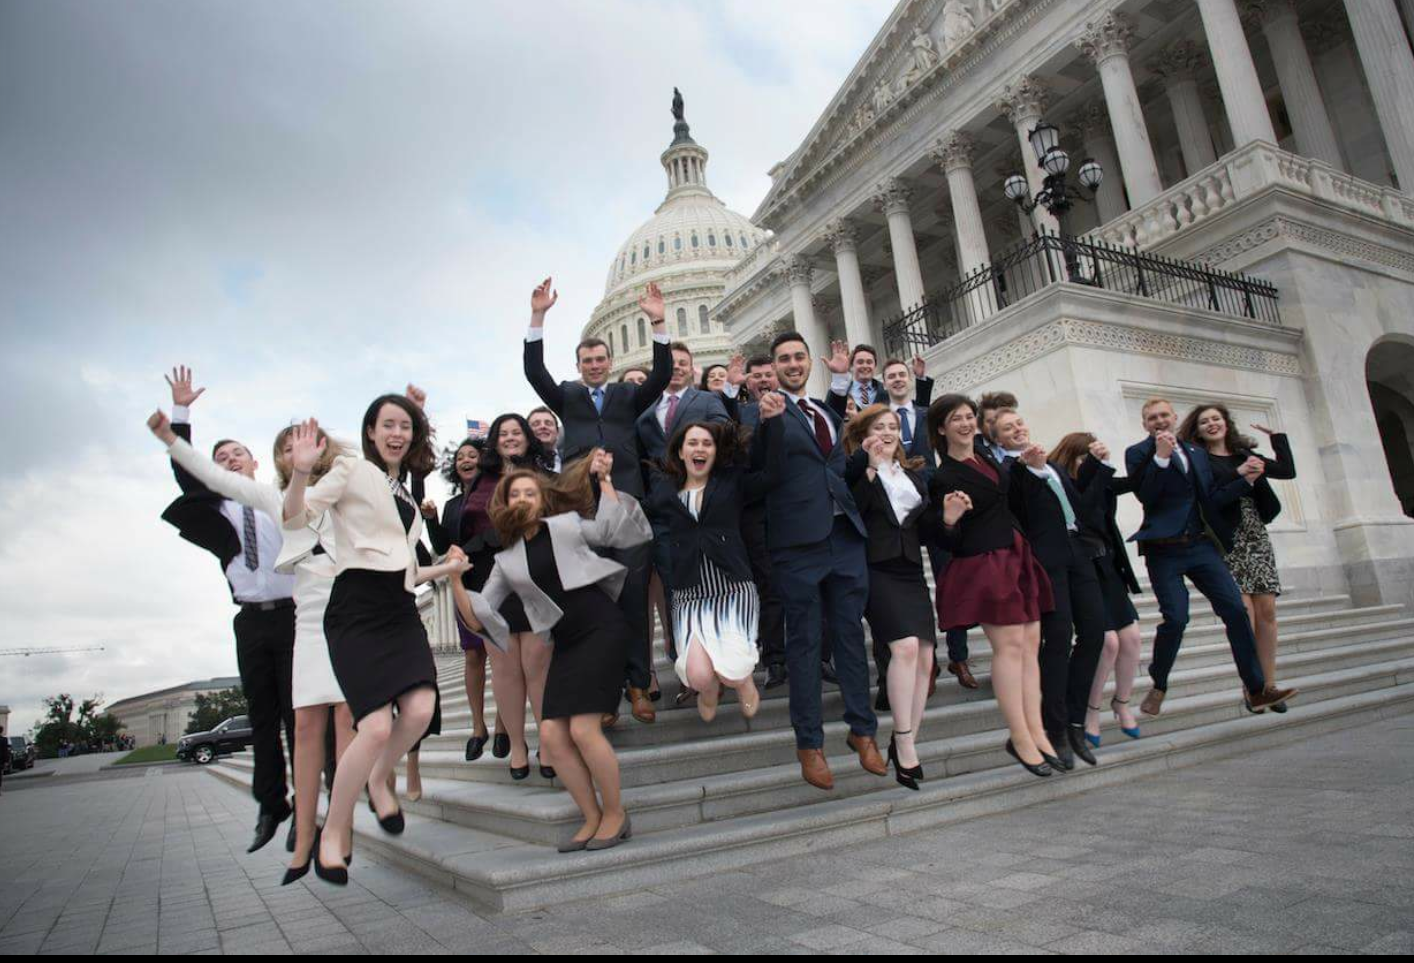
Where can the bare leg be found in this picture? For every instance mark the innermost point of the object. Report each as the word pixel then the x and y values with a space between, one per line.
pixel 920 693
pixel 474 677
pixel 343 731
pixel 603 767
pixel 1108 655
pixel 309 766
pixel 535 668
pixel 414 772
pixel 1009 683
pixel 508 680
pixel 1126 667
pixel 902 679
pixel 1031 691
pixel 570 767
pixel 702 676
pixel 414 715
pixel 355 767
pixel 1263 609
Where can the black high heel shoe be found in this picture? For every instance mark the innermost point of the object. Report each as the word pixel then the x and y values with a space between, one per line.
pixel 519 773
pixel 392 825
pixel 293 873
pixel 915 771
pixel 500 745
pixel 1043 769
pixel 338 876
pixel 546 772
pixel 905 779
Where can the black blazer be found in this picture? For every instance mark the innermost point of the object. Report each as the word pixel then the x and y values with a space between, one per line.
pixel 990 525
pixel 889 536
pixel 800 509
pixel 585 429
pixel 1110 535
pixel 1283 466
pixel 696 405
pixel 197 515
pixel 716 532
pixel 1041 518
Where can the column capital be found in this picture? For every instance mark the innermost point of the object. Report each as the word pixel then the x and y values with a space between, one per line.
pixel 841 235
pixel 1025 100
pixel 891 196
pixel 797 269
pixel 954 150
pixel 1323 35
pixel 1184 60
pixel 1260 13
pixel 1110 36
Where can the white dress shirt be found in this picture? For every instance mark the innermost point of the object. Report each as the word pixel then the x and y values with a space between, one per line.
pixel 662 407
pixel 816 407
pixel 1182 459
pixel 903 495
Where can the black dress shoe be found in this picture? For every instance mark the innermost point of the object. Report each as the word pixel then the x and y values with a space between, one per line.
pixel 775 676
pixel 520 773
pixel 1042 769
pixel 1075 735
pixel 265 827
pixel 501 745
pixel 475 746
pixel 1064 759
pixel 827 673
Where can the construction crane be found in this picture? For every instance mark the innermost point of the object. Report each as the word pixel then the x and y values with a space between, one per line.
pixel 51 651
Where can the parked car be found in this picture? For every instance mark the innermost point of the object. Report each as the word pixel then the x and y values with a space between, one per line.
pixel 22 754
pixel 231 736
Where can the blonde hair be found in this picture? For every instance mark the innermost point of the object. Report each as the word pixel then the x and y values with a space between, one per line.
pixel 1153 402
pixel 321 467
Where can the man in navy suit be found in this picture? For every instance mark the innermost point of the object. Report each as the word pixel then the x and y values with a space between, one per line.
pixel 1181 535
pixel 817 544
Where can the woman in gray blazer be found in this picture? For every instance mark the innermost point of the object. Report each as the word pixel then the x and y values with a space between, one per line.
pixel 551 528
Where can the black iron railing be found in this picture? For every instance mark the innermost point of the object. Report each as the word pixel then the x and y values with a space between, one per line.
pixel 1048 259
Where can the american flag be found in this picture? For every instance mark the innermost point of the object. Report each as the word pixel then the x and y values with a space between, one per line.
pixel 476 429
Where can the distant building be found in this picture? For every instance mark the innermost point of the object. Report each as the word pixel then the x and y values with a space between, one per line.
pixel 5 719
pixel 153 717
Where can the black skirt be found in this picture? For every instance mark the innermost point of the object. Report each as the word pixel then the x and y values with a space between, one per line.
pixel 475 580
pixel 899 606
pixel 1119 609
pixel 377 643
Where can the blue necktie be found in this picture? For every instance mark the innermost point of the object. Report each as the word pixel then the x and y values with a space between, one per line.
pixel 905 428
pixel 598 394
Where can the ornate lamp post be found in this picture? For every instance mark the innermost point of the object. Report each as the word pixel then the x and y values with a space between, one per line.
pixel 1056 195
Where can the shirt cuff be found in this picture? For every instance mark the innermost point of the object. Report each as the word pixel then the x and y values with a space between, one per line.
pixel 662 338
pixel 839 383
pixel 535 334
pixel 731 390
pixel 181 415
pixel 1162 462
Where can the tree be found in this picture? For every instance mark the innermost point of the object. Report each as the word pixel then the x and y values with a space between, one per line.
pixel 212 708
pixel 57 726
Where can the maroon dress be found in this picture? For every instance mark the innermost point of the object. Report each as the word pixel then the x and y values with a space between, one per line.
pixel 1007 586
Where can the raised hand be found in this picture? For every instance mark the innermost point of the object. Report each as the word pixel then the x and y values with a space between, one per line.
pixel 771 405
pixel 1264 430
pixel 606 474
pixel 429 510
pixel 308 446
pixel 542 299
pixel 1099 450
pixel 652 304
pixel 161 426
pixel 920 367
pixel 1164 444
pixel 955 505
pixel 1034 456
pixel 180 382
pixel 874 448
pixel 417 396
pixel 838 361
pixel 736 370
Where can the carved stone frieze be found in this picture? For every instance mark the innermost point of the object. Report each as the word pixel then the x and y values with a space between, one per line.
pixel 1336 242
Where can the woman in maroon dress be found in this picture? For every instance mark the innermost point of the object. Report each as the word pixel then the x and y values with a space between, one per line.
pixel 993 580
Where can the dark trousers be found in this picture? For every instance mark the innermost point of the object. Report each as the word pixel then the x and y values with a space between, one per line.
pixel 1205 568
pixel 265 649
pixel 633 602
pixel 771 633
pixel 828 580
pixel 1068 670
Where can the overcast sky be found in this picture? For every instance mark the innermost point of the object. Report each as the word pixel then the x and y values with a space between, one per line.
pixel 311 203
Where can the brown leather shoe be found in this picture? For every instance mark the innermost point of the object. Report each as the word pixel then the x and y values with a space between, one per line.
pixel 1270 696
pixel 814 769
pixel 1153 702
pixel 609 720
pixel 964 674
pixel 870 759
pixel 643 709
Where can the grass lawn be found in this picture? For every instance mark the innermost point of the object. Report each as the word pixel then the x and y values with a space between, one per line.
pixel 148 754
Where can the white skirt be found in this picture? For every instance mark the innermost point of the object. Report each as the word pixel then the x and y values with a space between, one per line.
pixel 312 681
pixel 722 616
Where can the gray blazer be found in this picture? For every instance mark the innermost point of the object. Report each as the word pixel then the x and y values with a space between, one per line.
pixel 618 524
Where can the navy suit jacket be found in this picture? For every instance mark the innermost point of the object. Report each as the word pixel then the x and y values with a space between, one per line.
pixel 801 510
pixel 696 405
pixel 1167 494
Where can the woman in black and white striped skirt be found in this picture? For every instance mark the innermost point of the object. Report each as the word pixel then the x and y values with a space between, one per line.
pixel 700 489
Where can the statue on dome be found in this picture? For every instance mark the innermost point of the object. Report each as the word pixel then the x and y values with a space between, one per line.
pixel 677 105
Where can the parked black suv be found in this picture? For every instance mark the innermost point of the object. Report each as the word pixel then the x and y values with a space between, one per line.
pixel 22 754
pixel 229 737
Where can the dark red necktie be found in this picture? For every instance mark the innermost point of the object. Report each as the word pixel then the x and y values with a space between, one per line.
pixel 822 430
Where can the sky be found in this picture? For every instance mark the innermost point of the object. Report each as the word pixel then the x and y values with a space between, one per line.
pixel 311 203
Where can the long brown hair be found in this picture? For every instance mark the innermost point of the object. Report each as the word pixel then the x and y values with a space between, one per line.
pixel 421 457
pixel 726 436
pixel 321 467
pixel 1071 450
pixel 1236 440
pixel 571 491
pixel 858 429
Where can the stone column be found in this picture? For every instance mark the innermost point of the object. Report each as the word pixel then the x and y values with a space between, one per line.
pixel 1023 103
pixel 841 236
pixel 802 305
pixel 1310 121
pixel 1389 69
pixel 1098 140
pixel 1106 41
pixel 1237 75
pixel 1179 67
pixel 954 155
pixel 892 199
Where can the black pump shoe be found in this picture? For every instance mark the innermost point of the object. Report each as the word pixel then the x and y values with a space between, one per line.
pixel 1064 759
pixel 520 773
pixel 392 825
pixel 475 746
pixel 1043 769
pixel 501 745
pixel 338 876
pixel 904 776
pixel 293 873
pixel 1075 735
pixel 546 772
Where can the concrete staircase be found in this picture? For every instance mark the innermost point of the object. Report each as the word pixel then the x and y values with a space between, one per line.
pixel 709 797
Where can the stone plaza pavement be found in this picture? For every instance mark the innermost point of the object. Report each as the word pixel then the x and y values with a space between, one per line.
pixel 1305 848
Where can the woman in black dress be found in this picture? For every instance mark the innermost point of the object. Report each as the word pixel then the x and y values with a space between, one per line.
pixel 993 579
pixel 569 593
pixel 377 644
pixel 892 498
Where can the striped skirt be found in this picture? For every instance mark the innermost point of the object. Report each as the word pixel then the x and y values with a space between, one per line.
pixel 721 615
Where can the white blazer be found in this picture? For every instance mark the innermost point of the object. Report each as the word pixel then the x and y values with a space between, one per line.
pixel 367 527
pixel 618 524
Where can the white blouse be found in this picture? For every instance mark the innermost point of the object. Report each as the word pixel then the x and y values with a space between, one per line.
pixel 903 495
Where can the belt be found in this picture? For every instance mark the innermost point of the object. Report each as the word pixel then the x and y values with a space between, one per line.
pixel 1178 541
pixel 267 606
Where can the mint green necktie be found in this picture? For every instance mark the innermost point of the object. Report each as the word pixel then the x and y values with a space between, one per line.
pixel 1054 481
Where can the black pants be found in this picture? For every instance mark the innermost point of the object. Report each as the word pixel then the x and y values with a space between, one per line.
pixel 1067 672
pixel 265 649
pixel 633 602
pixel 771 633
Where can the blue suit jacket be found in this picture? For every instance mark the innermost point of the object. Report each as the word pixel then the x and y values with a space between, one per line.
pixel 696 405
pixel 801 510
pixel 1166 493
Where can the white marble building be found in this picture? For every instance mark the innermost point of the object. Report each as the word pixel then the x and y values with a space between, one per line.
pixel 687 247
pixel 1268 138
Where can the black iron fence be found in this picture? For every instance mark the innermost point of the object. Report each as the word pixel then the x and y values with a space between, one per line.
pixel 1047 259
